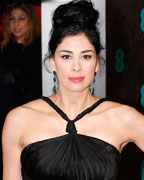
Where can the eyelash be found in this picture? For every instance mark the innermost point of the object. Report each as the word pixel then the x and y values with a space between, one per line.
pixel 11 19
pixel 21 19
pixel 68 57
pixel 87 57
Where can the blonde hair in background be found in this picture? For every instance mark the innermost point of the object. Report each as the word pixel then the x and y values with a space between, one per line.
pixel 34 26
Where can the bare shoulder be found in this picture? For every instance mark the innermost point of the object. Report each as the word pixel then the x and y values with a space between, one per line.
pixel 18 117
pixel 123 113
pixel 117 108
pixel 131 123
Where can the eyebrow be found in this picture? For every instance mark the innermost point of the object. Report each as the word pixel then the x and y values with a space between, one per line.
pixel 23 16
pixel 71 52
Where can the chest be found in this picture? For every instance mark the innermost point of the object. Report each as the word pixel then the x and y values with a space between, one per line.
pixel 70 157
pixel 53 126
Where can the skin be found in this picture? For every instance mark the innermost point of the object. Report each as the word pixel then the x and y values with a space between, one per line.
pixel 112 122
pixel 19 24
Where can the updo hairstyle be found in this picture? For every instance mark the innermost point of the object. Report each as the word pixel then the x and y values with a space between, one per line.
pixel 77 16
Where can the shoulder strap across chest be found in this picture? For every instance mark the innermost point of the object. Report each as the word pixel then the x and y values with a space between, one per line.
pixel 70 126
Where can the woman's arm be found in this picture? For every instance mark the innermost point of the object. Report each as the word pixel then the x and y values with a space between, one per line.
pixel 135 127
pixel 11 147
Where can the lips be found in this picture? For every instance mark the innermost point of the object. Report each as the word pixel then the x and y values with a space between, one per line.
pixel 17 30
pixel 76 79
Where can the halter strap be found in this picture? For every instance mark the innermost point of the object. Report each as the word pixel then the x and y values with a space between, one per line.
pixel 70 125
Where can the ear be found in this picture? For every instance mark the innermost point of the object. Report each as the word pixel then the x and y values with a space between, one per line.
pixel 52 63
pixel 97 64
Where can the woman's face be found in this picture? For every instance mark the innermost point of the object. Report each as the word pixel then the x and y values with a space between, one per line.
pixel 19 24
pixel 75 62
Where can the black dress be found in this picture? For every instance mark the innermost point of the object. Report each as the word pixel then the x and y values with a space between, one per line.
pixel 20 74
pixel 71 156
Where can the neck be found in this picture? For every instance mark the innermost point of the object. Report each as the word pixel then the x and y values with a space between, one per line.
pixel 74 103
pixel 19 40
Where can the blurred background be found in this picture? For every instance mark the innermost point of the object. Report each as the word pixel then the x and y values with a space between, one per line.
pixel 125 70
pixel 20 56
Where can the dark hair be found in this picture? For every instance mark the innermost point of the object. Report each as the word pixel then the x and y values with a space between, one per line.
pixel 77 16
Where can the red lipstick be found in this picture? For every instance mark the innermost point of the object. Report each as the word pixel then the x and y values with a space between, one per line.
pixel 77 79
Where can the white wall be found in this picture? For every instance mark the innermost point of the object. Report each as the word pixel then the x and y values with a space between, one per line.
pixel 47 9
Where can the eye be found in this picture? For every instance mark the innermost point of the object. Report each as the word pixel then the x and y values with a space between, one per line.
pixel 11 18
pixel 67 57
pixel 86 57
pixel 22 18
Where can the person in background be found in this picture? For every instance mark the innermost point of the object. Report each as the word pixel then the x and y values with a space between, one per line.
pixel 20 59
pixel 20 54
pixel 71 135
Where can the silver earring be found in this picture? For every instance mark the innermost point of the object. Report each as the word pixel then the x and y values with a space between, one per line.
pixel 92 87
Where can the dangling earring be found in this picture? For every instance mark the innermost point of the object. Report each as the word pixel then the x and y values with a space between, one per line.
pixel 92 90
pixel 54 79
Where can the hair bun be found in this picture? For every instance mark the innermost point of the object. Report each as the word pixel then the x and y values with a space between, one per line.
pixel 77 11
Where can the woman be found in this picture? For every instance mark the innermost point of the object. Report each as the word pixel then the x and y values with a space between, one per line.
pixel 20 53
pixel 21 24
pixel 96 129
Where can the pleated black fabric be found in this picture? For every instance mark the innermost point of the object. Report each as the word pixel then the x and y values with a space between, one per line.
pixel 71 156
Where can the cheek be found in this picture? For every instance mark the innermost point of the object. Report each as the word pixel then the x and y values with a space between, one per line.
pixel 11 25
pixel 62 71
pixel 91 67
pixel 25 25
pixel 90 70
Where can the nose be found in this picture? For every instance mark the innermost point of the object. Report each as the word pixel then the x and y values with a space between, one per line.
pixel 76 65
pixel 16 22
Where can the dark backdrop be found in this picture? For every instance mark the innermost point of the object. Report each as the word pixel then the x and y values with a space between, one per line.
pixel 125 69
pixel 7 89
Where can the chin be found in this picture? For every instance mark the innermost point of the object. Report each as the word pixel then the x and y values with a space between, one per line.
pixel 77 90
